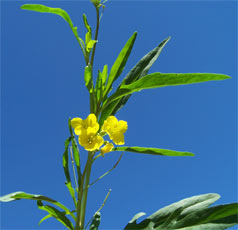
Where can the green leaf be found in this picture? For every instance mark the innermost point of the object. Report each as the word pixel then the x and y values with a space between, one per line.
pixel 144 65
pixel 104 76
pixel 153 151
pixel 71 191
pixel 90 45
pixel 88 78
pixel 22 195
pixel 96 221
pixel 46 9
pixel 87 26
pixel 139 71
pixel 157 80
pixel 60 216
pixel 60 12
pixel 120 62
pixel 98 88
pixel 66 160
pixel 66 168
pixel 45 218
pixel 75 152
pixel 88 37
pixel 192 213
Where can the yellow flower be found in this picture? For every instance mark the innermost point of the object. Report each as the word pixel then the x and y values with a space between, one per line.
pixel 90 124
pixel 115 129
pixel 107 148
pixel 90 141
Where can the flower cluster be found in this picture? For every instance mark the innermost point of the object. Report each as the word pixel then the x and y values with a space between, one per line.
pixel 90 137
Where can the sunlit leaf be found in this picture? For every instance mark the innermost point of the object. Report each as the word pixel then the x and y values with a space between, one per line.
pixel 45 218
pixel 104 75
pixel 22 195
pixel 120 62
pixel 98 88
pixel 60 216
pixel 66 160
pixel 139 71
pixel 192 213
pixel 153 151
pixel 75 153
pixel 58 11
pixel 157 80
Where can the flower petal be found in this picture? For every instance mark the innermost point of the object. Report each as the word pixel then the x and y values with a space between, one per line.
pixel 76 122
pixel 122 126
pixel 118 138
pixel 107 148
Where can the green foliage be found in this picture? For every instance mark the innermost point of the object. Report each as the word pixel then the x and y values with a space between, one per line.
pixel 189 214
pixel 60 216
pixel 99 89
pixel 88 36
pixel 120 63
pixel 66 160
pixel 75 154
pixel 153 151
pixel 22 195
pixel 192 213
pixel 60 12
pixel 66 169
pixel 96 221
pixel 157 80
pixel 137 72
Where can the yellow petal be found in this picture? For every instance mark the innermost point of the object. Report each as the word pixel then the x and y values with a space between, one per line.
pixel 122 126
pixel 90 141
pixel 112 120
pixel 107 148
pixel 118 138
pixel 78 130
pixel 76 122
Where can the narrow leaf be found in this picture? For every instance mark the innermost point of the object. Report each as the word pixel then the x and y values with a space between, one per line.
pixel 46 9
pixel 22 195
pixel 120 62
pixel 45 218
pixel 66 160
pixel 87 26
pixel 76 153
pixel 60 216
pixel 137 72
pixel 157 80
pixel 153 151
pixel 98 88
pixel 104 75
pixel 60 12
pixel 88 78
pixel 144 65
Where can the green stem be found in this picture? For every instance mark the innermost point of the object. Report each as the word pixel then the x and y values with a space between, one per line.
pixel 96 36
pixel 80 195
pixel 88 168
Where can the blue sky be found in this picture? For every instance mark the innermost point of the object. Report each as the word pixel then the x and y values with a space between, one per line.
pixel 42 86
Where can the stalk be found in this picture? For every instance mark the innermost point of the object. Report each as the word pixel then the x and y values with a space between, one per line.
pixel 88 168
pixel 96 36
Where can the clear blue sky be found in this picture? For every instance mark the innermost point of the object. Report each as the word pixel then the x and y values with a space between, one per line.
pixel 42 86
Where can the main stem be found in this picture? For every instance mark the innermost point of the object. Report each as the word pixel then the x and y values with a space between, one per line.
pixel 85 191
pixel 96 36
